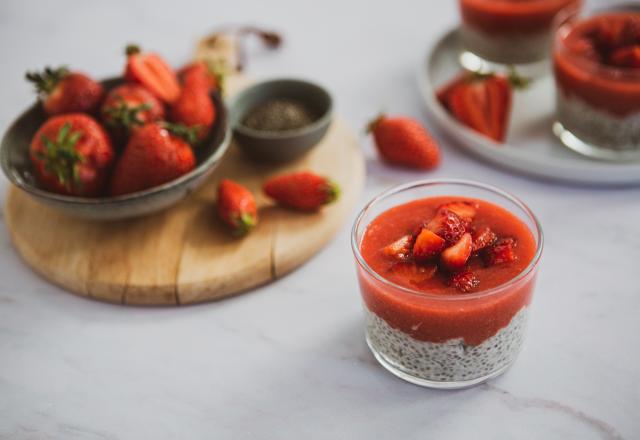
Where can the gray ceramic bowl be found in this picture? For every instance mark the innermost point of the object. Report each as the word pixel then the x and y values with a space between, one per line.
pixel 14 158
pixel 285 145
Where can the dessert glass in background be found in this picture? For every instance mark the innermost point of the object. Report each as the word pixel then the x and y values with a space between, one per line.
pixel 440 338
pixel 509 32
pixel 598 87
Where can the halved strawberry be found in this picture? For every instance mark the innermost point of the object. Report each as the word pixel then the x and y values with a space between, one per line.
pixel 153 73
pixel 465 210
pixel 428 244
pixel 448 225
pixel 626 57
pixel 503 251
pixel 415 274
pixel 455 257
pixel 465 281
pixel 399 249
pixel 483 238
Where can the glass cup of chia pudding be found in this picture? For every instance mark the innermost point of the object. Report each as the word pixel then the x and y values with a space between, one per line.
pixel 446 270
pixel 596 63
pixel 509 31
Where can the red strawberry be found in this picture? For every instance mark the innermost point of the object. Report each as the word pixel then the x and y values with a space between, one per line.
pixel 503 251
pixel 62 91
pixel 483 238
pixel 404 141
pixel 72 154
pixel 302 190
pixel 415 274
pixel 153 73
pixel 482 102
pixel 237 207
pixel 154 155
pixel 455 257
pixel 428 244
pixel 465 281
pixel 210 75
pixel 626 57
pixel 130 105
pixel 194 107
pixel 399 249
pixel 447 225
pixel 465 210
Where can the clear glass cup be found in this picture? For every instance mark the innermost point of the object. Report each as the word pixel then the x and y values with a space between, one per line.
pixel 495 317
pixel 597 105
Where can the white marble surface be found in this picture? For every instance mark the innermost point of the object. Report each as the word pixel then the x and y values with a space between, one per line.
pixel 289 360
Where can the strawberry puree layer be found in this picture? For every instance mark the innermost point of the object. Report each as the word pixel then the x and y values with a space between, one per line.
pixel 615 90
pixel 512 16
pixel 445 313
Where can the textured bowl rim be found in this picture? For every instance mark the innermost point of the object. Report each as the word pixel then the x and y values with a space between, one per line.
pixel 92 201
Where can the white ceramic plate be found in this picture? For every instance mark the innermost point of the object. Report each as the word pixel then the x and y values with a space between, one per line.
pixel 531 147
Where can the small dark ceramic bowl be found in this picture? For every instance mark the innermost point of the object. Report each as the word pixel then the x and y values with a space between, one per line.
pixel 14 158
pixel 281 146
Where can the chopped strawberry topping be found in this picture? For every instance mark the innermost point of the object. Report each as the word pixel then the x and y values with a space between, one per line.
pixel 503 251
pixel 428 244
pixel 448 225
pixel 465 210
pixel 483 238
pixel 455 257
pixel 415 274
pixel 399 249
pixel 465 281
pixel 626 57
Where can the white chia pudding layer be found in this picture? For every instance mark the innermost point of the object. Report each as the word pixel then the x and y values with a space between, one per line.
pixel 449 361
pixel 522 48
pixel 598 127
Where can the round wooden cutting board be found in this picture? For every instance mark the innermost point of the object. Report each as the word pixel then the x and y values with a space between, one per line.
pixel 184 255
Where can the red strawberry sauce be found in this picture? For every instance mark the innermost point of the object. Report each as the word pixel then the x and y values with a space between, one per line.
pixel 579 69
pixel 512 16
pixel 444 313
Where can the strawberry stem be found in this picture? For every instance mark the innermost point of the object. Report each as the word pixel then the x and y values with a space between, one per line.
pixel 516 80
pixel 188 134
pixel 48 79
pixel 333 192
pixel 245 223
pixel 125 116
pixel 60 156
pixel 132 49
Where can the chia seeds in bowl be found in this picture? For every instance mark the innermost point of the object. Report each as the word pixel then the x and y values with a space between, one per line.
pixel 279 115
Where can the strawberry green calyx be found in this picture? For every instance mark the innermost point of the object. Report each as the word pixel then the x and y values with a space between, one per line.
pixel 132 49
pixel 48 79
pixel 244 223
pixel 517 81
pixel 60 156
pixel 333 192
pixel 188 134
pixel 126 116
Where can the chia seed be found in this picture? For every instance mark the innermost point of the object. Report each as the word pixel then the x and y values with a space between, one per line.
pixel 279 115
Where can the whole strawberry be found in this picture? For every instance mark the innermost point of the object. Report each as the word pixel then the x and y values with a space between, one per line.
pixel 154 155
pixel 404 141
pixel 71 154
pixel 194 107
pixel 62 91
pixel 211 75
pixel 305 191
pixel 152 72
pixel 130 105
pixel 237 207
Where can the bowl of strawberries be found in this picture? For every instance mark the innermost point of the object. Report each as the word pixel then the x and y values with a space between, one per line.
pixel 122 147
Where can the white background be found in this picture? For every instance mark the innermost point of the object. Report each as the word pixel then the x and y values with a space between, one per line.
pixel 289 360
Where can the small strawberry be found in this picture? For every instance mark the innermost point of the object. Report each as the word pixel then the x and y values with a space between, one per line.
pixel 626 57
pixel 153 73
pixel 483 239
pixel 302 190
pixel 194 107
pixel 415 274
pixel 399 249
pixel 427 245
pixel 211 75
pixel 155 154
pixel 465 281
pixel 502 251
pixel 456 256
pixel 130 105
pixel 62 91
pixel 447 225
pixel 237 207
pixel 404 141
pixel 71 154
pixel 465 210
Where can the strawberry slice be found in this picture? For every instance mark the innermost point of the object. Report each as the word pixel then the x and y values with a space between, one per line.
pixel 483 238
pixel 415 274
pixel 483 103
pixel 448 225
pixel 626 57
pixel 428 244
pixel 399 249
pixel 465 210
pixel 465 281
pixel 455 257
pixel 153 73
pixel 503 251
